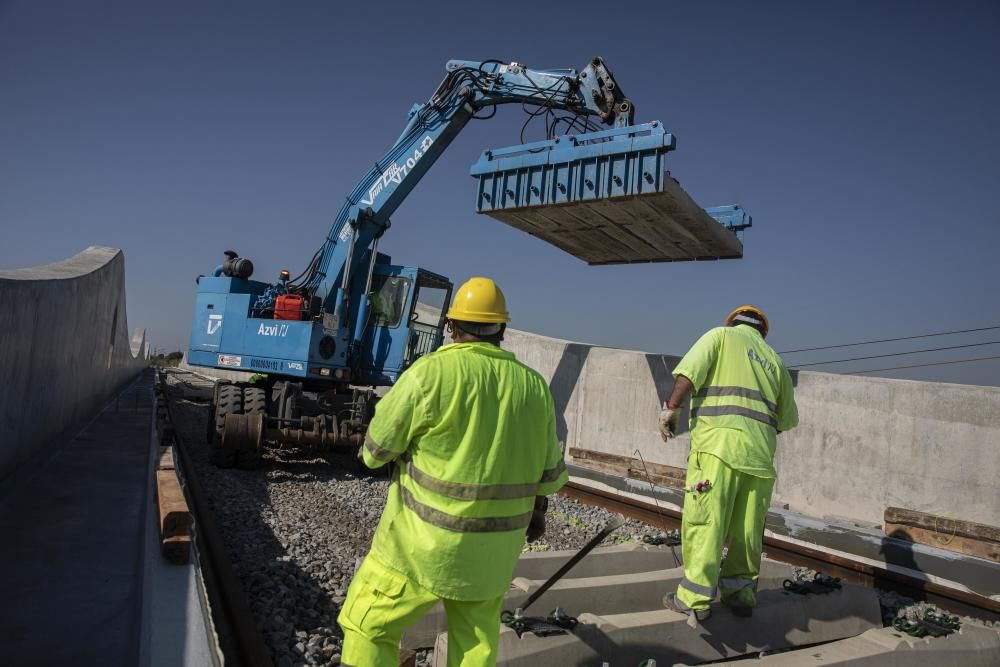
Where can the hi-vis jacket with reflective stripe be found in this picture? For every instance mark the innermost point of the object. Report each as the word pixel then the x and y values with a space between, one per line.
pixel 742 398
pixel 473 432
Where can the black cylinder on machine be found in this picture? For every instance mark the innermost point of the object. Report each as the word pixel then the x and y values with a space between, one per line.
pixel 236 266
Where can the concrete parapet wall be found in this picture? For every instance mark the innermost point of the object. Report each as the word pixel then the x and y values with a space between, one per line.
pixel 64 349
pixel 862 444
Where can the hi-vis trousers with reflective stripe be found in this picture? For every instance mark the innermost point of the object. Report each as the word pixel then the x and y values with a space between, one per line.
pixel 734 508
pixel 382 603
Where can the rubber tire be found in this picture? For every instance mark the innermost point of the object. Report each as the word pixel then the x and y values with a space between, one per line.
pixel 229 400
pixel 254 402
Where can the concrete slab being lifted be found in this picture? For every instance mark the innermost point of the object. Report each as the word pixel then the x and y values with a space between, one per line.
pixel 611 594
pixel 972 646
pixel 665 226
pixel 781 620
pixel 605 197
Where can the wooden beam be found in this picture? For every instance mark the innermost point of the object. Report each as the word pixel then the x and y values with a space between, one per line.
pixel 965 537
pixel 175 519
pixel 942 524
pixel 658 473
pixel 166 459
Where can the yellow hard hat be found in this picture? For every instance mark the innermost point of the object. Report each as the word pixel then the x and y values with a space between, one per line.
pixel 752 311
pixel 479 300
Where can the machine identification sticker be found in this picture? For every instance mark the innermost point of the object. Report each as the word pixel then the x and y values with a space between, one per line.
pixel 214 323
pixel 230 360
pixel 265 364
pixel 330 323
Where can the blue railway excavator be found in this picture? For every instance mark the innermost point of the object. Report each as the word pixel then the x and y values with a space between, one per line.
pixel 597 187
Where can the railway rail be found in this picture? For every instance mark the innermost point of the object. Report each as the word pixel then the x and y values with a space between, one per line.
pixel 242 639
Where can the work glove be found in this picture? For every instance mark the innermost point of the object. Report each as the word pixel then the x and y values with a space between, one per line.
pixel 537 526
pixel 668 422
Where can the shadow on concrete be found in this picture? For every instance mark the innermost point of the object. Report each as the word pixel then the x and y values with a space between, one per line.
pixel 564 381
pixel 771 625
pixel 663 379
pixel 897 550
pixel 71 564
pixel 629 653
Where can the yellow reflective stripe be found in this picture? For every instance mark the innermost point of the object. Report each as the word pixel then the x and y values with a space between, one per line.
pixel 461 524
pixel 463 491
pixel 742 392
pixel 733 584
pixel 733 410
pixel 378 453
pixel 552 474
pixel 698 588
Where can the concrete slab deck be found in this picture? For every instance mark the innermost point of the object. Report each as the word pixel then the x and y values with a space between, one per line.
pixel 781 620
pixel 612 594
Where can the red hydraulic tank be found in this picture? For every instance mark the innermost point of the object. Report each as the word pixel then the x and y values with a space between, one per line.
pixel 289 307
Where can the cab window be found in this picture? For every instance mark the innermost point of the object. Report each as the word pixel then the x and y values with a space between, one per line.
pixel 389 300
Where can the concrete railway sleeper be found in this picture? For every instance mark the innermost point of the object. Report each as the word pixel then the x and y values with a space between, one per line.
pixel 290 532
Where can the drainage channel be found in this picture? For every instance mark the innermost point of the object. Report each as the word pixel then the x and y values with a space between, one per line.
pixel 240 639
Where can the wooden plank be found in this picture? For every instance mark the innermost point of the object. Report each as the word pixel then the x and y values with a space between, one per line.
pixel 658 473
pixel 947 541
pixel 166 459
pixel 604 457
pixel 942 524
pixel 175 519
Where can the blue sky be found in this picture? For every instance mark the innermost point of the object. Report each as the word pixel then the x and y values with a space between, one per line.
pixel 862 137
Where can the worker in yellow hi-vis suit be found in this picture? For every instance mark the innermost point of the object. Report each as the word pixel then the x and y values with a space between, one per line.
pixel 472 432
pixel 742 397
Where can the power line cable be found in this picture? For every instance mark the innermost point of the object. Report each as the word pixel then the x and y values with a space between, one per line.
pixel 888 340
pixel 897 354
pixel 936 363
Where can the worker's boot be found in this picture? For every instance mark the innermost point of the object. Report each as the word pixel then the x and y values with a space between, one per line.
pixel 671 602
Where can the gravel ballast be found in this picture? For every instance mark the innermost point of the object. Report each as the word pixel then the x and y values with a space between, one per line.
pixel 297 526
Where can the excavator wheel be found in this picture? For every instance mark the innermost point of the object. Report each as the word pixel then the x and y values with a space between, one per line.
pixel 242 439
pixel 254 400
pixel 254 403
pixel 228 401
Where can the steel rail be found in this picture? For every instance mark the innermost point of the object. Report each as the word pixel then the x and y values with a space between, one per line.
pixel 242 642
pixel 863 573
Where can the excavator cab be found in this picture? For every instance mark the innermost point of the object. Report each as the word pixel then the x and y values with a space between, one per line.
pixel 406 321
pixel 427 315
